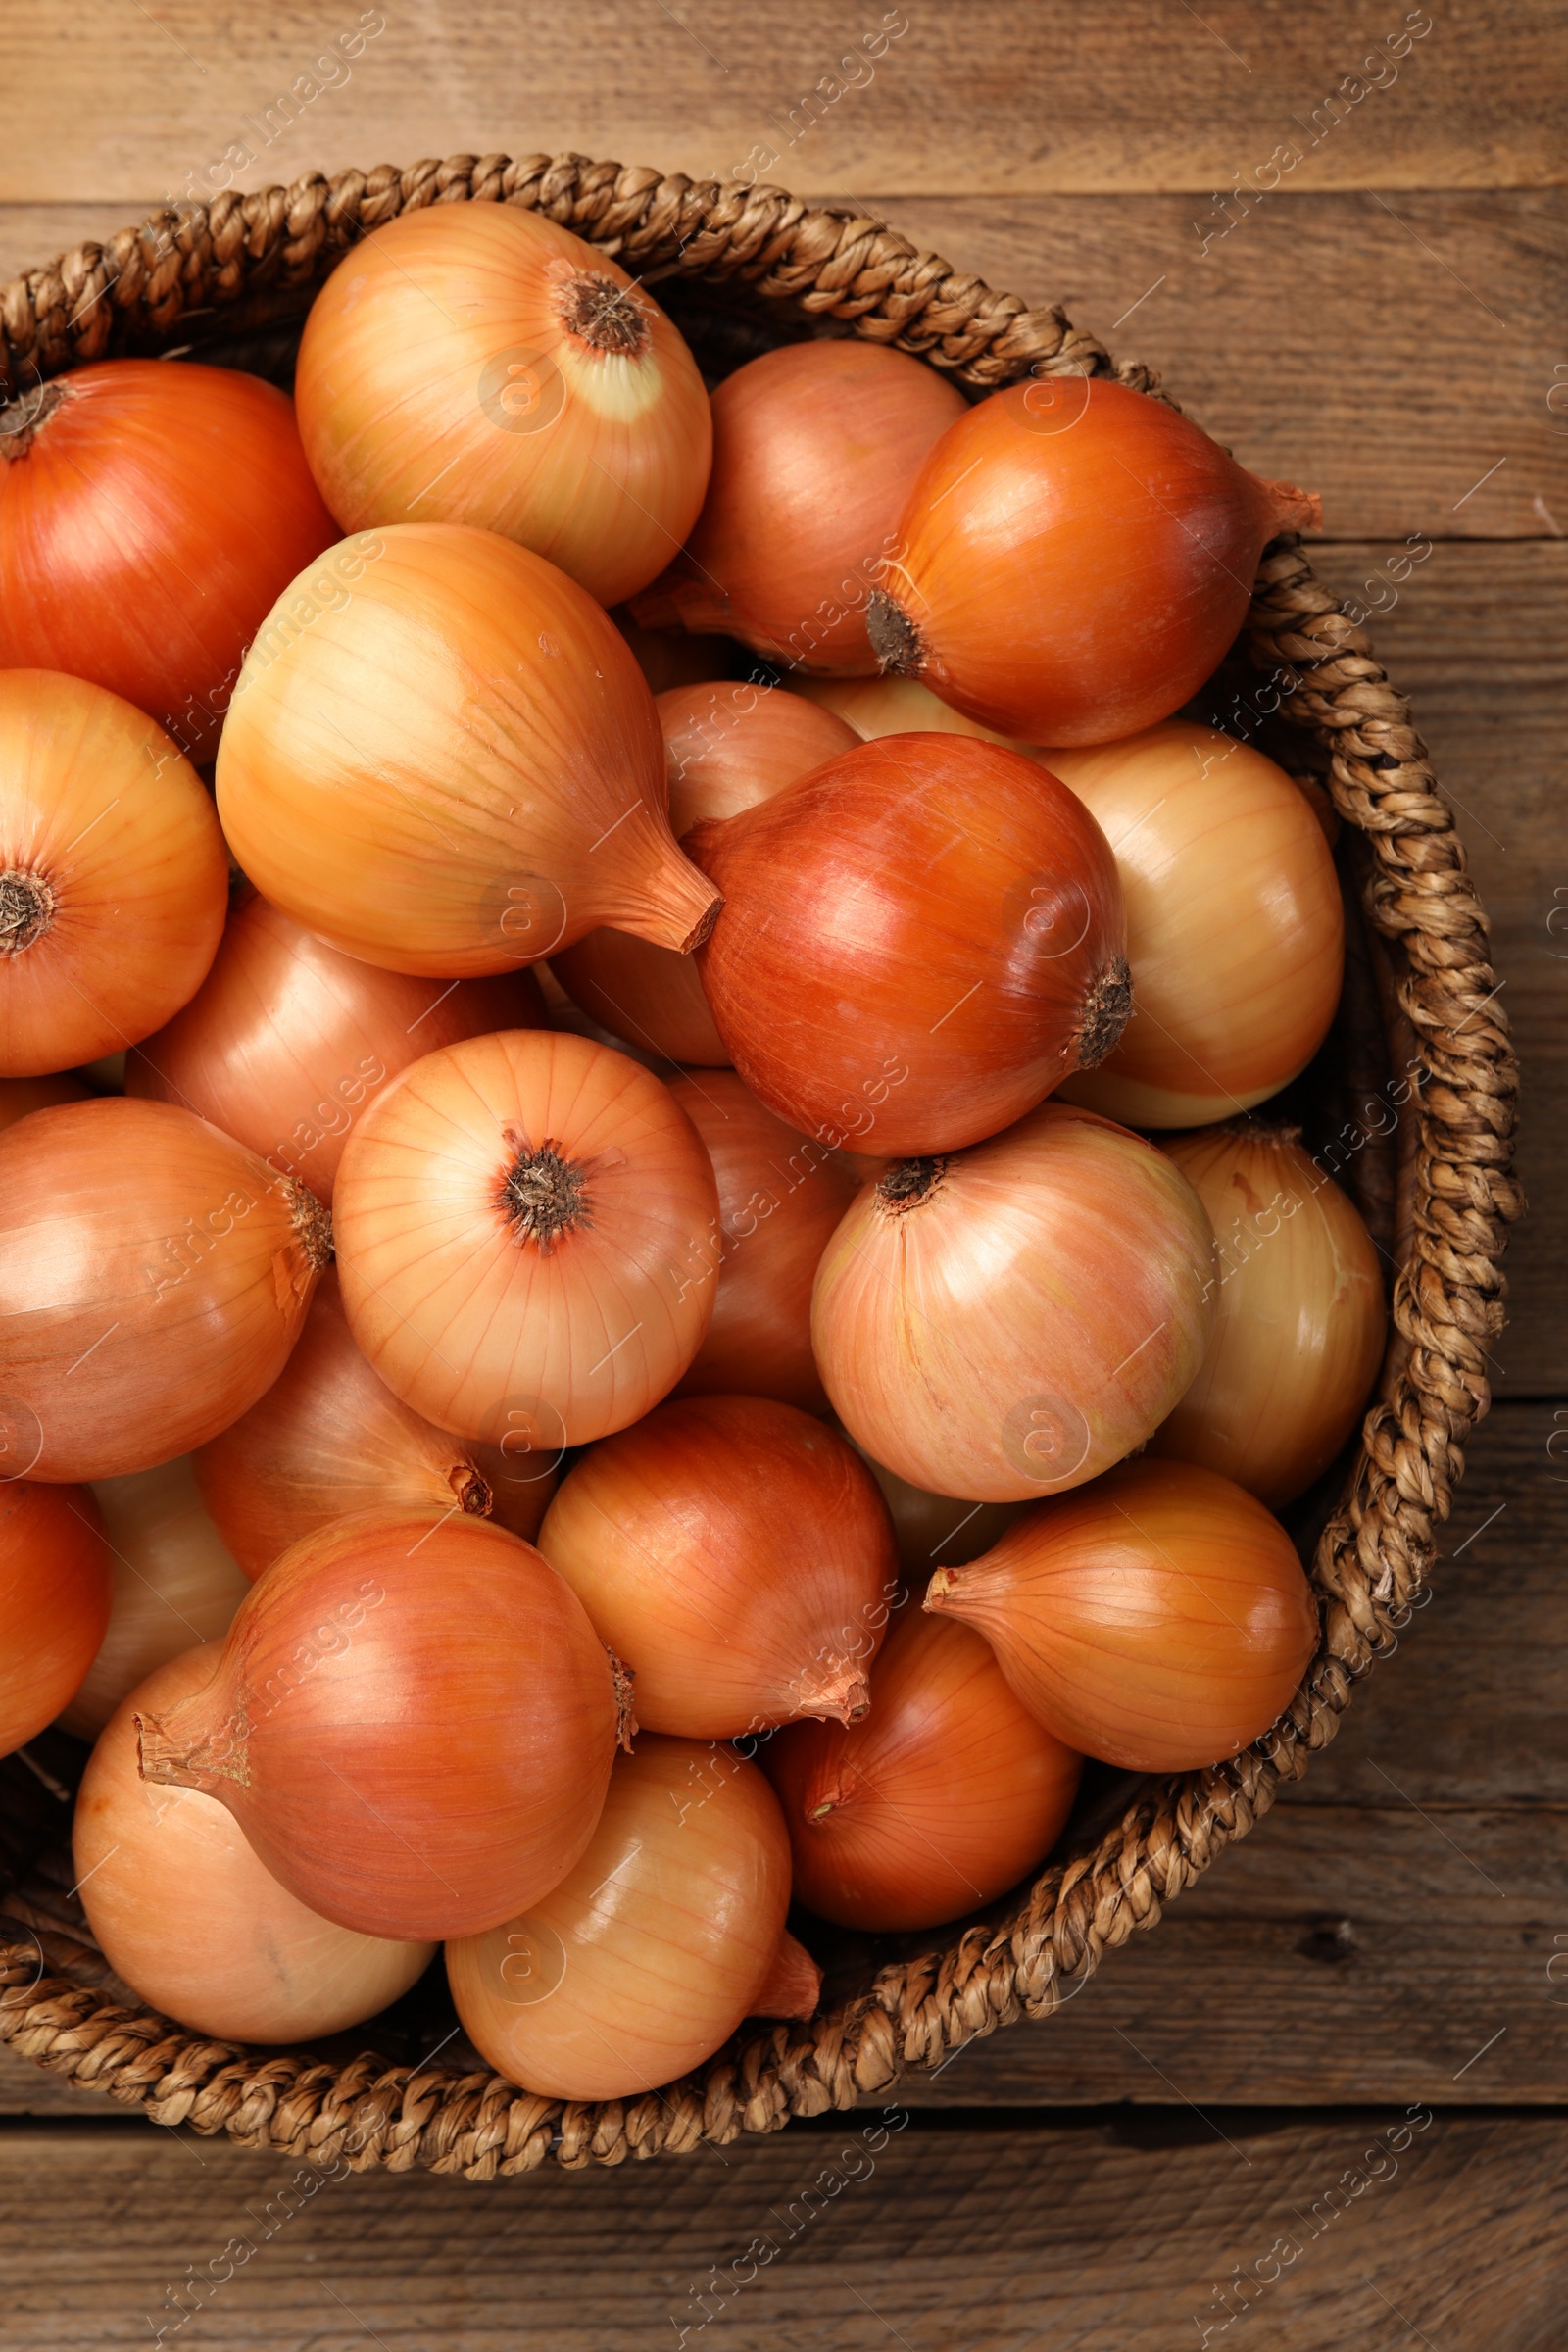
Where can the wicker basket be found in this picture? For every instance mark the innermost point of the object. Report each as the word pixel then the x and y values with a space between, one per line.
pixel 1411 1104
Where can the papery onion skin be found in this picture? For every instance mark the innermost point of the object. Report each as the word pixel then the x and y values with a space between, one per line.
pixel 648 1954
pixel 1076 558
pixel 186 1913
pixel 174 1581
pixel 456 768
pixel 54 1571
pixel 149 515
pixel 526 1230
pixel 1235 924
pixel 946 1795
pixel 793 1983
pixel 918 942
pixel 286 1040
pixel 478 363
pixel 412 1723
pixel 889 705
pixel 1302 1319
pixel 114 881
pixel 154 1276
pixel 743 1555
pixel 1159 1618
pixel 938 1531
pixel 1010 1321
pixel 18 1096
pixel 815 449
pixel 729 745
pixel 780 1198
pixel 328 1439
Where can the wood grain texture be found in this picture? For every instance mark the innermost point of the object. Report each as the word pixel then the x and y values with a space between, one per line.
pixel 1367 2228
pixel 1002 97
pixel 1327 342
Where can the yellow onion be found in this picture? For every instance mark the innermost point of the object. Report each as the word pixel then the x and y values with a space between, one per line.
pixel 728 745
pixel 175 1582
pixel 1235 926
pixel 185 1912
pixel 1301 1321
pixel 937 1530
pixel 474 363
pixel 527 1227
pixel 1010 1320
pixel 653 1947
pixel 451 764
pixel 1159 1618
pixel 889 705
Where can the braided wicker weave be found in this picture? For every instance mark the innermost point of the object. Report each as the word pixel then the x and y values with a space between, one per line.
pixel 241 272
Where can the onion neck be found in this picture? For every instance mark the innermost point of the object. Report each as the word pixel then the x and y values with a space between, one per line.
pixel 27 910
pixel 676 905
pixel 1106 1013
pixel 793 1985
pixel 312 1223
pixel 834 1688
pixel 201 1743
pixel 1294 510
pixel 596 310
pixel 908 1182
pixel 622 1680
pixel 895 640
pixel 33 413
pixel 472 1489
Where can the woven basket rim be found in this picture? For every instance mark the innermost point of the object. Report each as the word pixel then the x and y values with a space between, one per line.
pixel 251 259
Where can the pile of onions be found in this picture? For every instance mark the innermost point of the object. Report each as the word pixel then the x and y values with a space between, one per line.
pixel 648 1954
pixel 1159 1620
pixel 527 1231
pixel 815 449
pixel 938 1531
pixel 175 1582
pixel 1075 559
pixel 191 1920
pixel 18 1096
pixel 326 1440
pixel 476 364
pixel 917 943
pixel 728 747
pixel 1235 924
pixel 738 1556
pixel 412 1723
pixel 944 1797
pixel 114 882
pixel 154 1276
pixel 287 1040
pixel 149 515
pixel 55 1568
pixel 456 766
pixel 1011 1321
pixel 1301 1321
pixel 780 1198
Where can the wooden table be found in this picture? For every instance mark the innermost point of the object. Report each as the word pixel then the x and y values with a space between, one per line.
pixel 1333 2077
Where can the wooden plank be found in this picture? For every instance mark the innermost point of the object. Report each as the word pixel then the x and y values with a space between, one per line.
pixel 1029 96
pixel 1266 339
pixel 1377 2228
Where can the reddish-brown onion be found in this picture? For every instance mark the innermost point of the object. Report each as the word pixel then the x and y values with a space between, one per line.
pixel 154 1276
pixel 176 1583
pixel 1301 1321
pixel 453 765
pixel 1011 1320
pixel 918 942
pixel 1159 1618
pixel 187 1915
pixel 54 1570
pixel 286 1041
pixel 114 883
pixel 328 1439
pixel 728 747
pixel 793 1983
pixel 413 1724
pixel 945 1796
pixel 780 1197
pixel 149 515
pixel 816 446
pixel 651 1950
pixel 738 1554
pixel 1076 558
pixel 526 1231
